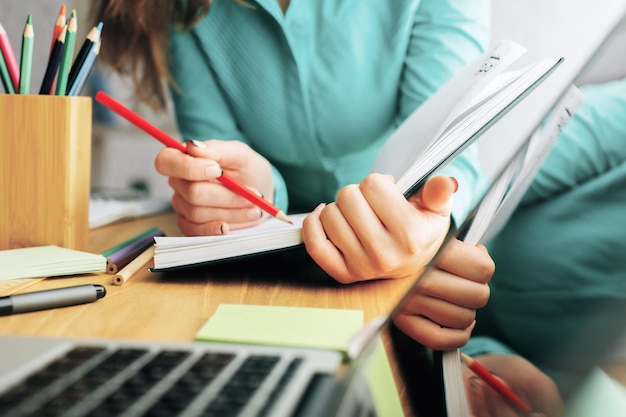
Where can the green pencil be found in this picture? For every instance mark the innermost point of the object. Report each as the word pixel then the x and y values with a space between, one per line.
pixel 26 60
pixel 66 57
pixel 9 88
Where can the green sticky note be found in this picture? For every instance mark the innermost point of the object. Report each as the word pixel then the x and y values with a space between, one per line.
pixel 320 328
pixel 382 384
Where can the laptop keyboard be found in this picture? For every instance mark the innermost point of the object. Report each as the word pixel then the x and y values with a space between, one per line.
pixel 103 382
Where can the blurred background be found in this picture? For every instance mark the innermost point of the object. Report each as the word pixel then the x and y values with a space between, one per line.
pixel 123 157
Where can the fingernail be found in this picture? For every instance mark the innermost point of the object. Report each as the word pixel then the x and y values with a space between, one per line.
pixel 213 171
pixel 320 206
pixel 222 229
pixel 198 143
pixel 456 183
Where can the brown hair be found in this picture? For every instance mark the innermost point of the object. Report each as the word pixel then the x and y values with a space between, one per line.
pixel 135 39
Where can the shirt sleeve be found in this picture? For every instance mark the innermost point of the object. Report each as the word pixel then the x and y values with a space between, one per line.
pixel 591 144
pixel 196 94
pixel 446 36
pixel 483 345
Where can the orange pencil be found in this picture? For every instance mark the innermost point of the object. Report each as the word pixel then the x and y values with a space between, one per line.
pixel 169 141
pixel 497 385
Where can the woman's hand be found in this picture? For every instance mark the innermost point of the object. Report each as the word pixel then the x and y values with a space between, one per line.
pixel 441 311
pixel 533 386
pixel 204 206
pixel 372 231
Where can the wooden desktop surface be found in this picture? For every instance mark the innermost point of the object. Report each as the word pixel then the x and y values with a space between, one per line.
pixel 172 306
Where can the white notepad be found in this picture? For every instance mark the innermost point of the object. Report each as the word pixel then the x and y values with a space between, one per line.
pixel 48 261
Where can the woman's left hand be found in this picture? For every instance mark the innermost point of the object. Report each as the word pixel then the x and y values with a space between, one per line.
pixel 372 231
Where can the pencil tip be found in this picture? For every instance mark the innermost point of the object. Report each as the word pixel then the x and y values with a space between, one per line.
pixel 63 10
pixel 282 216
pixel 29 20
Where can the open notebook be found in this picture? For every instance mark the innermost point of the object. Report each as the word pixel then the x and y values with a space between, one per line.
pixel 441 128
pixel 113 377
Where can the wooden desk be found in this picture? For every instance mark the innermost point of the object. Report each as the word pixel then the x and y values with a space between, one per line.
pixel 173 306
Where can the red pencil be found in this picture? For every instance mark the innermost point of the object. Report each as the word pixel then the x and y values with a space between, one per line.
pixel 9 57
pixel 495 383
pixel 169 141
pixel 58 26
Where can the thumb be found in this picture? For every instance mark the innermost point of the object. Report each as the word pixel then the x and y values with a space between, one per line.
pixel 436 194
pixel 229 154
pixel 199 149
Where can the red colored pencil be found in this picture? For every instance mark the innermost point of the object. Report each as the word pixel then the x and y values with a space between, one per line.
pixel 169 141
pixel 9 57
pixel 497 385
pixel 58 26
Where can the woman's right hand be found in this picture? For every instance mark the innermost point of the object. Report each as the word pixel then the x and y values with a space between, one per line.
pixel 202 204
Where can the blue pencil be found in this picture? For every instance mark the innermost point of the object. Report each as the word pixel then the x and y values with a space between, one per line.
pixel 85 50
pixel 85 71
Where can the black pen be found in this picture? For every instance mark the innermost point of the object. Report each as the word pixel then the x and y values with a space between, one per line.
pixel 47 299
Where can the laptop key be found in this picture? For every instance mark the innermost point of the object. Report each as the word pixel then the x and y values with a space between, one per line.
pixel 140 383
pixel 197 377
pixel 35 385
pixel 278 389
pixel 234 395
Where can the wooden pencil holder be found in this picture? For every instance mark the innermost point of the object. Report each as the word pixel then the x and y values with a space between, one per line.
pixel 45 170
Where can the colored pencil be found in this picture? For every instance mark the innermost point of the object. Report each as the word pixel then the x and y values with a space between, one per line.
pixel 9 88
pixel 92 38
pixel 85 71
pixel 53 63
pixel 26 58
pixel 58 27
pixel 134 266
pixel 149 232
pixel 66 57
pixel 125 253
pixel 9 58
pixel 497 385
pixel 169 141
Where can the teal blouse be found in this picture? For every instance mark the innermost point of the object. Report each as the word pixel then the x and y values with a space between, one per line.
pixel 319 89
pixel 558 296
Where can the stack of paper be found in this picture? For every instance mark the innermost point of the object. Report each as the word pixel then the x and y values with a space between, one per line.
pixel 48 261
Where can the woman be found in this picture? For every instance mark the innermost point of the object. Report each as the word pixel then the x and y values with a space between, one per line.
pixel 295 99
